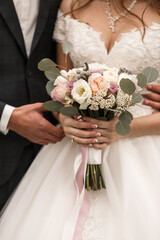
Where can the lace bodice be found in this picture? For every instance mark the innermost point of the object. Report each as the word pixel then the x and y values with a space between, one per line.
pixel 130 52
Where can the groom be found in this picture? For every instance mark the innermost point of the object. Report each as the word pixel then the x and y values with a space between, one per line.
pixel 26 29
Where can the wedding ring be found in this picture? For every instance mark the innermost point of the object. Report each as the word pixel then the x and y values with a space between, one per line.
pixel 72 140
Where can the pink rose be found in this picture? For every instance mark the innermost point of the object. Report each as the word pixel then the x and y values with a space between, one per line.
pixel 97 83
pixel 59 92
pixel 113 88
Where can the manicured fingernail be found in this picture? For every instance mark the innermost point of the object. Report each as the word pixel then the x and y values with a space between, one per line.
pixel 94 126
pixel 90 145
pixel 149 86
pixel 145 102
pixel 95 141
pixel 79 117
pixel 98 134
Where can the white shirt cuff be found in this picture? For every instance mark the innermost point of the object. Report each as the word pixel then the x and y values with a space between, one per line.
pixel 6 114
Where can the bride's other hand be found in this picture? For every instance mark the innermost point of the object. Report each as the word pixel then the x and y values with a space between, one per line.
pixel 107 131
pixel 76 130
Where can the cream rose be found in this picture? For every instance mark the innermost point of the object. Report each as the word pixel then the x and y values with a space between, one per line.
pixel 81 93
pixel 111 76
pixel 98 83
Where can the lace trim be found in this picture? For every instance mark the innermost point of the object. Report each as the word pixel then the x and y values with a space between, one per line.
pixel 93 221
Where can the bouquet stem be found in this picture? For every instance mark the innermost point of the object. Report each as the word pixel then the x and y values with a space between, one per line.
pixel 94 178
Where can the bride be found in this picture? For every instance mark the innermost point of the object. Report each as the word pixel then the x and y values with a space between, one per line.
pixel 44 206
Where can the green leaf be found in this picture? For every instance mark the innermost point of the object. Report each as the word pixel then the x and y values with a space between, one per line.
pixel 67 46
pixel 151 74
pixel 137 98
pixel 142 80
pixel 126 117
pixel 53 106
pixel 69 111
pixel 52 74
pixel 49 87
pixel 145 92
pixel 122 129
pixel 46 64
pixel 127 86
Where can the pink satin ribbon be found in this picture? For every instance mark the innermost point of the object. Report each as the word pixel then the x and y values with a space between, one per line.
pixel 80 177
pixel 74 225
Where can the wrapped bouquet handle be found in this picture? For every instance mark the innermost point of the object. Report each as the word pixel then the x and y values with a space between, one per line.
pixel 93 176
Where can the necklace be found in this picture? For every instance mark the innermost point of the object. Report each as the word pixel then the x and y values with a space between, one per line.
pixel 112 19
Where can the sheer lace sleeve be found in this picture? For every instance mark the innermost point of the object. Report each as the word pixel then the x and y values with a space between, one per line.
pixel 60 28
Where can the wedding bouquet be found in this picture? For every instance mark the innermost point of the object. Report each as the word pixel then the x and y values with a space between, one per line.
pixel 96 91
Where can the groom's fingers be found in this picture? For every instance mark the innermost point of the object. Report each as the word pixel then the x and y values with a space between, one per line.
pixel 154 88
pixel 28 122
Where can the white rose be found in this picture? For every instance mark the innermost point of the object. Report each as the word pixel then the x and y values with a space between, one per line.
pixel 81 93
pixel 111 75
pixel 60 79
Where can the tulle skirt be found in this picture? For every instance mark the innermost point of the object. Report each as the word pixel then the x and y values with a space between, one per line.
pixel 128 209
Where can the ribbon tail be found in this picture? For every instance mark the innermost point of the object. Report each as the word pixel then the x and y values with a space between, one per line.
pixel 74 225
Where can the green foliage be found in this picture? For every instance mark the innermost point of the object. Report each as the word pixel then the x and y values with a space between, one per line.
pixel 122 129
pixel 69 111
pixel 123 125
pixel 52 74
pixel 137 98
pixel 142 80
pixel 151 74
pixel 127 86
pixel 53 106
pixel 46 64
pixel 49 87
pixel 66 46
pixel 145 92
pixel 126 117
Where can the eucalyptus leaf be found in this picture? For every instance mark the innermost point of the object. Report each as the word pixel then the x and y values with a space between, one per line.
pixel 151 74
pixel 67 46
pixel 137 98
pixel 122 129
pixel 69 111
pixel 142 80
pixel 49 87
pixel 145 92
pixel 127 86
pixel 46 64
pixel 126 117
pixel 52 74
pixel 53 106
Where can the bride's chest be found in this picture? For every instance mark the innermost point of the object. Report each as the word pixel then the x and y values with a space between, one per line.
pixel 130 51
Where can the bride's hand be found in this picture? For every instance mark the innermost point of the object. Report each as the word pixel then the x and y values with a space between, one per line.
pixel 76 130
pixel 107 131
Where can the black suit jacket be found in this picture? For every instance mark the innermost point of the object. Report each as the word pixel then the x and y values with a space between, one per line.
pixel 20 81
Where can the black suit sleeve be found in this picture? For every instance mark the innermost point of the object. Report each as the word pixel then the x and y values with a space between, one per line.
pixel 2 105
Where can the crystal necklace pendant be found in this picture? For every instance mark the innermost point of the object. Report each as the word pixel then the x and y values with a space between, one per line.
pixel 111 19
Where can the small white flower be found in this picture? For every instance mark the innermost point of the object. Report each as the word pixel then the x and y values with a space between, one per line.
pixel 82 93
pixel 59 79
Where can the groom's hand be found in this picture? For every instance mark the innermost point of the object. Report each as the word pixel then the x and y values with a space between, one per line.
pixel 153 98
pixel 28 121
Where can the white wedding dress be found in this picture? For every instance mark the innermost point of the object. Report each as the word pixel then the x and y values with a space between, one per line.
pixel 129 208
